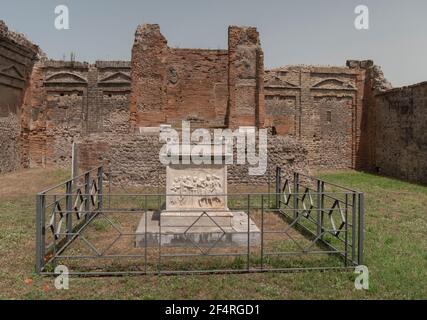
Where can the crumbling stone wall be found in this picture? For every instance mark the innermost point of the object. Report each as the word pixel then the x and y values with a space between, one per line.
pixel 134 159
pixel 196 87
pixel 212 88
pixel 330 110
pixel 370 80
pixel 149 77
pixel 69 100
pixel 401 133
pixel 10 154
pixel 245 78
pixel 316 106
pixel 327 117
pixel 17 57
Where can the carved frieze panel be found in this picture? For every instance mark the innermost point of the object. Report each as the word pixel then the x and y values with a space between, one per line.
pixel 196 187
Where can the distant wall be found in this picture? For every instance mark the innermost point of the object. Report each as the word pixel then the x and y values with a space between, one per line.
pixel 197 87
pixel 245 78
pixel 329 110
pixel 134 159
pixel 69 100
pixel 318 117
pixel 370 81
pixel 17 56
pixel 401 132
pixel 211 88
pixel 317 106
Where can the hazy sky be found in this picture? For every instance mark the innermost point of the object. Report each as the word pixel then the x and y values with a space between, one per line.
pixel 292 31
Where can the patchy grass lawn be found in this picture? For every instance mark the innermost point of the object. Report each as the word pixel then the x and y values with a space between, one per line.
pixel 395 252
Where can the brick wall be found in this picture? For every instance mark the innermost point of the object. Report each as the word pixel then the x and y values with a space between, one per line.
pixel 330 110
pixel 134 159
pixel 316 106
pixel 401 133
pixel 370 81
pixel 197 87
pixel 245 78
pixel 212 88
pixel 17 57
pixel 10 155
pixel 69 100
pixel 320 117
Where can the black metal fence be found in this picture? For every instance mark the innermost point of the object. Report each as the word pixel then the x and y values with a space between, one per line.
pixel 306 224
pixel 332 215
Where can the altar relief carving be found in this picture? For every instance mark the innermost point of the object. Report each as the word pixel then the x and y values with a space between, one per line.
pixel 191 187
pixel 197 192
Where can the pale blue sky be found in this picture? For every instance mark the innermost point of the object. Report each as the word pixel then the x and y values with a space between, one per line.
pixel 292 32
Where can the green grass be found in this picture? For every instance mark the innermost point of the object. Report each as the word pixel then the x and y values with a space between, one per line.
pixel 395 252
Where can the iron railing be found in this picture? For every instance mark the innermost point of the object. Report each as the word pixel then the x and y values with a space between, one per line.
pixel 80 196
pixel 306 224
pixel 323 209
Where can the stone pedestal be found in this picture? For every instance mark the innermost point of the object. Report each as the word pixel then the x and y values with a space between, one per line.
pixel 196 212
pixel 235 235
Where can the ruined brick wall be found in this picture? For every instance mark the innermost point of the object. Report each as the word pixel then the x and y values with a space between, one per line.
pixel 330 110
pixel 318 117
pixel 149 77
pixel 316 106
pixel 196 88
pixel 112 84
pixel 212 88
pixel 69 100
pixel 17 57
pixel 134 159
pixel 401 133
pixel 10 155
pixel 245 78
pixel 370 81
pixel 320 108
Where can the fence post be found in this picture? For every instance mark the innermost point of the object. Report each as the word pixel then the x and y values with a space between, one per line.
pixel 262 232
pixel 100 178
pixel 269 188
pixel 296 192
pixel 353 226
pixel 87 196
pixel 361 227
pixel 110 181
pixel 278 185
pixel 40 232
pixel 69 206
pixel 319 207
pixel 249 235
pixel 346 230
